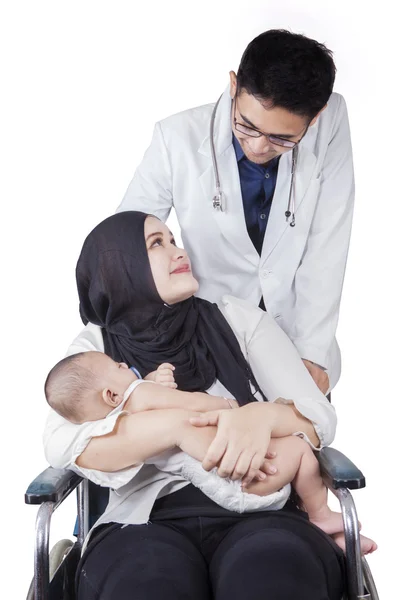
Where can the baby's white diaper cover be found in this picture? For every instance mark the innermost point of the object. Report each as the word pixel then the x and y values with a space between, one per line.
pixel 225 492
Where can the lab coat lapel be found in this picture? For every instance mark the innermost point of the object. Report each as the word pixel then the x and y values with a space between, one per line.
pixel 277 223
pixel 231 220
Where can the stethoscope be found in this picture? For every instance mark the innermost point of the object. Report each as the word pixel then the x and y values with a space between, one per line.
pixel 218 199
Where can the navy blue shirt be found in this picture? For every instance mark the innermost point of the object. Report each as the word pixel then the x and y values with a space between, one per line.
pixel 257 183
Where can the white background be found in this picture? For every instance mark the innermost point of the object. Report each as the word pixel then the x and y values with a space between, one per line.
pixel 82 84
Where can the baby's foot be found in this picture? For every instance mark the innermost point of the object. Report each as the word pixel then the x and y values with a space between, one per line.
pixel 367 545
pixel 329 521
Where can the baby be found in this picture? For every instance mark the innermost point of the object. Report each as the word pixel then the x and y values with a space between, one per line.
pixel 89 386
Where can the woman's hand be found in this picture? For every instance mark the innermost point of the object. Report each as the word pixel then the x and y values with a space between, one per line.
pixel 241 444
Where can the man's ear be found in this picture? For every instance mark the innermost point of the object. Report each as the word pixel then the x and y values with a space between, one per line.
pixel 110 398
pixel 232 84
pixel 316 116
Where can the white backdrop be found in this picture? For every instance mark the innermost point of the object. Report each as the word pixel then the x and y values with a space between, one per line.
pixel 82 83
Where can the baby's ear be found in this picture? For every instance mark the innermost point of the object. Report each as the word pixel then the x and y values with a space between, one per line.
pixel 111 398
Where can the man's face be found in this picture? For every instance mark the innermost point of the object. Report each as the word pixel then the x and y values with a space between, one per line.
pixel 277 122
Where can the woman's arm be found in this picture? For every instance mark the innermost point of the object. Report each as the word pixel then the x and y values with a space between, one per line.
pixel 295 405
pixel 287 420
pixel 134 439
pixel 285 380
pixel 280 372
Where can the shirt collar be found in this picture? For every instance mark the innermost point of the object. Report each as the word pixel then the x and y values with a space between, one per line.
pixel 238 148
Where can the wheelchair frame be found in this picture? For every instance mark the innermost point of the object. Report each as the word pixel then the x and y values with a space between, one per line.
pixel 53 486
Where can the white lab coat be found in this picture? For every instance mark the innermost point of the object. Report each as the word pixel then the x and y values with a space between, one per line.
pixel 301 269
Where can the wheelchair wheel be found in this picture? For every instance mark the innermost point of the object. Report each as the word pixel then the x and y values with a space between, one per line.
pixel 56 556
pixel 369 580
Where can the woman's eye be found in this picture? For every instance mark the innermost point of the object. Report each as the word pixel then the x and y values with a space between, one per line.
pixel 157 242
pixel 173 242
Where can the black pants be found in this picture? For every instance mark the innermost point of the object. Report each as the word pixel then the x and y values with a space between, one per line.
pixel 271 557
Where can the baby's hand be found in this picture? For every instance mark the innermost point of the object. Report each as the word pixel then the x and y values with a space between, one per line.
pixel 165 376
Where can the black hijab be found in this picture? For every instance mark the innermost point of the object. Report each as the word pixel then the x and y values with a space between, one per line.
pixel 117 292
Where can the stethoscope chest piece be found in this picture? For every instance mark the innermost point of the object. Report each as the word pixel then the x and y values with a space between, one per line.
pixel 218 202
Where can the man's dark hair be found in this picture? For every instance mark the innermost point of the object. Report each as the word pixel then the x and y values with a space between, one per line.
pixel 288 70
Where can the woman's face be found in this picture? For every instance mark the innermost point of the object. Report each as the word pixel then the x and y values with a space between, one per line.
pixel 169 265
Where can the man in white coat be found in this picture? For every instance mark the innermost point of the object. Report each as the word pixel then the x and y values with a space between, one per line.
pixel 263 187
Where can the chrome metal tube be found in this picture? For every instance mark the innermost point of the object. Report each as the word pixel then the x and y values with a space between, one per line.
pixel 83 510
pixel 369 580
pixel 41 560
pixel 353 550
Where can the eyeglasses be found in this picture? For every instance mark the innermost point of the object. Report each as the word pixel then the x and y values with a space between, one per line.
pixel 250 131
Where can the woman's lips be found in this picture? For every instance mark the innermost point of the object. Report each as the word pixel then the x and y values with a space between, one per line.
pixel 183 269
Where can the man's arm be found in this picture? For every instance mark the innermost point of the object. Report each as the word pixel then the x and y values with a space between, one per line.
pixel 319 279
pixel 150 190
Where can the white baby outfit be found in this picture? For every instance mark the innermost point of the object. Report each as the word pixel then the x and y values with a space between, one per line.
pixel 225 492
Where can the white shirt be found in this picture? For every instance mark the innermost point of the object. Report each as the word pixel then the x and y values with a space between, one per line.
pixel 277 367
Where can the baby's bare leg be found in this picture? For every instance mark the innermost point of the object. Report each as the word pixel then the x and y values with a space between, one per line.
pixel 296 463
pixel 294 454
pixel 289 452
pixel 310 487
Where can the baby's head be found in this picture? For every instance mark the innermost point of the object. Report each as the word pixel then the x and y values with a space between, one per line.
pixel 87 386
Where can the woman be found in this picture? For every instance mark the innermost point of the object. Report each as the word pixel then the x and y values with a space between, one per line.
pixel 159 535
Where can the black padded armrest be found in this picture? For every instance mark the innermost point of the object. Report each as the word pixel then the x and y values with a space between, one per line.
pixel 52 485
pixel 339 470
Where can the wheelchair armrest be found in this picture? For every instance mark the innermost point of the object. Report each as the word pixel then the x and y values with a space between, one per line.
pixel 339 471
pixel 52 485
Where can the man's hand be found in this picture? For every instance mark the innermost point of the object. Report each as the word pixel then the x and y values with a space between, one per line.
pixel 319 375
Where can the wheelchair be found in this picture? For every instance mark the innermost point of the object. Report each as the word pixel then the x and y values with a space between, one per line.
pixel 54 574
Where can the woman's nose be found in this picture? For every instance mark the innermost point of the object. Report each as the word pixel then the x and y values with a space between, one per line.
pixel 179 253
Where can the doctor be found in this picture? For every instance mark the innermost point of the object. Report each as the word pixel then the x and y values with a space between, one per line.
pixel 263 188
